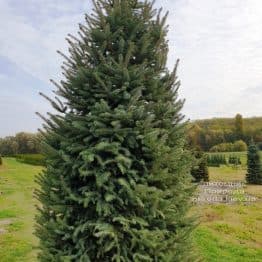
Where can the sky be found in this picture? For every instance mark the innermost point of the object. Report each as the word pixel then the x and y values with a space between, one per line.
pixel 219 44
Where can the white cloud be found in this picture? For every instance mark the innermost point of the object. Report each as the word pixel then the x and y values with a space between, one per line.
pixel 30 36
pixel 18 114
pixel 219 44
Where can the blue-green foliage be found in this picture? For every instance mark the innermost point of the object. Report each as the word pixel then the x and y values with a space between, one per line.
pixel 234 160
pixel 254 168
pixel 200 171
pixel 117 186
pixel 216 160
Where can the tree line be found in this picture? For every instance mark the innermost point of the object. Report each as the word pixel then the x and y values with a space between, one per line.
pixel 21 143
pixel 225 134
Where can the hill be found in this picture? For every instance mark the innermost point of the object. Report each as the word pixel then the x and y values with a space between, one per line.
pixel 206 133
pixel 252 123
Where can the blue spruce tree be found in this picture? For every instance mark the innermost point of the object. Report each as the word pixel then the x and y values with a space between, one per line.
pixel 117 186
pixel 254 171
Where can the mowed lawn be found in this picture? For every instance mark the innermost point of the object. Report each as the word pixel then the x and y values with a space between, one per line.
pixel 226 232
pixel 17 210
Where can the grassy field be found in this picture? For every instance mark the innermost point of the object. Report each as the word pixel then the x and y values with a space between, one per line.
pixel 17 211
pixel 230 232
pixel 226 232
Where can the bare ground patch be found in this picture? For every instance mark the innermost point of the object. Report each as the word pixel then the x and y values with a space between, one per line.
pixel 4 223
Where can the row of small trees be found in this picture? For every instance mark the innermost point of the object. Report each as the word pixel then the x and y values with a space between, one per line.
pixel 254 167
pixel 216 160
pixel 234 160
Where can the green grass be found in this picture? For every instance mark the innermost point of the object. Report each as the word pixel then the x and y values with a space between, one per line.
pixel 227 173
pixel 226 232
pixel 7 213
pixel 17 209
pixel 214 249
pixel 230 232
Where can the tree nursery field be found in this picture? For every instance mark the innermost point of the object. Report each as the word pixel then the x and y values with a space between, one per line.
pixel 227 232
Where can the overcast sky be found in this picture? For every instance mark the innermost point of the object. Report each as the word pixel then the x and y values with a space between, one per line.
pixel 219 44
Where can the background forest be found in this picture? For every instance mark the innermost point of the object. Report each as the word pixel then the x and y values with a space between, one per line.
pixel 214 135
pixel 225 134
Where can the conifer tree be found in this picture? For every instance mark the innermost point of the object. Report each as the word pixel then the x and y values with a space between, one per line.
pixel 200 171
pixel 254 171
pixel 117 186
